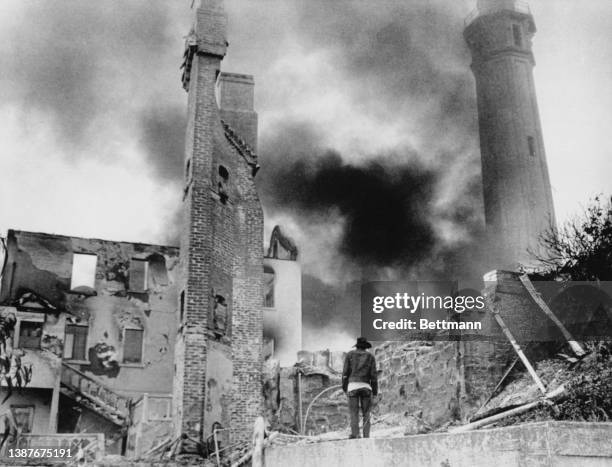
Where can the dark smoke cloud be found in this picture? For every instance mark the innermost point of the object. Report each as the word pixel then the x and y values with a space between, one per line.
pixel 410 209
pixel 383 208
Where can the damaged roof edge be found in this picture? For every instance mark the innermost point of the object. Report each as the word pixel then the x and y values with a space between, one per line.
pixel 72 237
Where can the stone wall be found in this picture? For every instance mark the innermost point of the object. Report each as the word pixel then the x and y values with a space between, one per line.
pixel 419 382
pixel 317 375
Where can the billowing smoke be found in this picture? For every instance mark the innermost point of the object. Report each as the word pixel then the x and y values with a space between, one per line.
pixel 368 140
pixel 383 207
pixel 90 71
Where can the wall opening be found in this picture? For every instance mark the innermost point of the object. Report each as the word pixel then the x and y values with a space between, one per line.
pixel 30 334
pixel 517 33
pixel 139 271
pixel 219 317
pixel 132 345
pixel 531 146
pixel 269 278
pixel 223 184
pixel 24 417
pixel 83 271
pixel 75 345
pixel 182 307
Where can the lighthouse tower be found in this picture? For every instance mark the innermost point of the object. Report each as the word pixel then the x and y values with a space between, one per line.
pixel 517 193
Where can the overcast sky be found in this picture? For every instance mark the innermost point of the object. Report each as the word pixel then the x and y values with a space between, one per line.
pixel 92 114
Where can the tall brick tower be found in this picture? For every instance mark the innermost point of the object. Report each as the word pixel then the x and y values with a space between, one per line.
pixel 218 356
pixel 517 193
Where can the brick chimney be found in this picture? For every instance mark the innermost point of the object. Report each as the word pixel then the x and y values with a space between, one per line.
pixel 236 95
pixel 204 49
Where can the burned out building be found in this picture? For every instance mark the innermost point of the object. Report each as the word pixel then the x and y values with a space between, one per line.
pixel 96 322
pixel 146 343
pixel 282 299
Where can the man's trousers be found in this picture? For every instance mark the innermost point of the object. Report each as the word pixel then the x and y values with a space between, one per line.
pixel 360 398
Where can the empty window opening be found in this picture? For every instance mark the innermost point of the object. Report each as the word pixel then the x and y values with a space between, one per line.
pixel 269 277
pixel 219 317
pixel 30 334
pixel 518 35
pixel 139 272
pixel 182 306
pixel 132 345
pixel 83 271
pixel 531 146
pixel 24 417
pixel 75 345
pixel 222 186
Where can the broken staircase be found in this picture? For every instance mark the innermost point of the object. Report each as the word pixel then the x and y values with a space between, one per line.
pixel 95 396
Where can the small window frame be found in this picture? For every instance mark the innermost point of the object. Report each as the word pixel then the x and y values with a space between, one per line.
pixel 531 146
pixel 72 358
pixel 18 328
pixel 142 347
pixel 145 275
pixel 517 35
pixel 29 409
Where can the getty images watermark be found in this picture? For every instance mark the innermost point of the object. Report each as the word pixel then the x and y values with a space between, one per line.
pixel 465 310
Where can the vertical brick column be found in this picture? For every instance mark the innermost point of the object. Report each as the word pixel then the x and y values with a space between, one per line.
pixel 196 246
pixel 247 337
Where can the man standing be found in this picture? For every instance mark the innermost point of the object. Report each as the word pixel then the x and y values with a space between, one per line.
pixel 360 382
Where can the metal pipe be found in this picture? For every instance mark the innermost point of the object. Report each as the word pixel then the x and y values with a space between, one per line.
pixel 300 400
pixel 313 401
pixel 216 447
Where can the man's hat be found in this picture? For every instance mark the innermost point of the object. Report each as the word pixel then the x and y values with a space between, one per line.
pixel 362 343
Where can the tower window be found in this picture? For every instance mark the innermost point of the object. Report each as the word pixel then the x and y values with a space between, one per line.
pixel 531 146
pixel 182 306
pixel 223 184
pixel 218 319
pixel 269 277
pixel 518 35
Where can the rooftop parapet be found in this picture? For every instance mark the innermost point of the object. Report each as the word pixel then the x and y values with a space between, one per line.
pixel 487 7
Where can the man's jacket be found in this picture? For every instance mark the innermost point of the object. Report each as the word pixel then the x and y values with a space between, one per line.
pixel 360 366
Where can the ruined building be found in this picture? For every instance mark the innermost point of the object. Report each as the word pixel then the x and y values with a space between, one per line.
pixel 218 353
pixel 96 323
pixel 517 192
pixel 282 299
pixel 131 345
